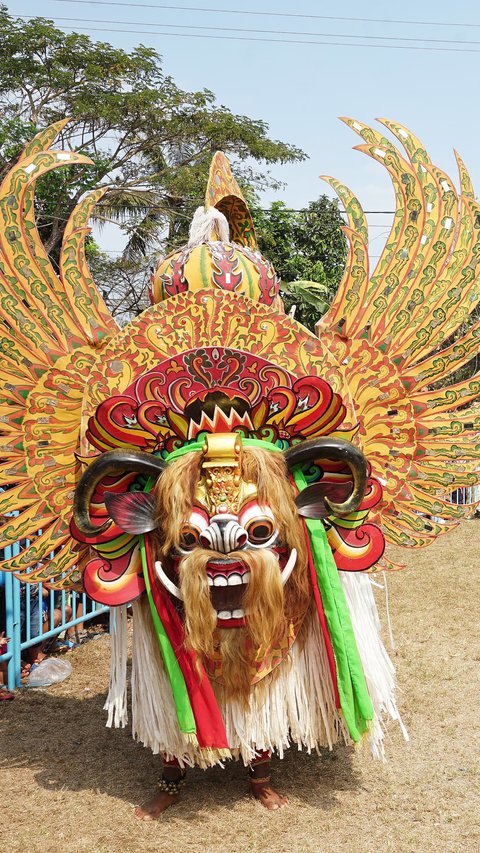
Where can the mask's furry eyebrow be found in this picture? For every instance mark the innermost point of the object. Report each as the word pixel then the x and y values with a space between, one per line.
pixel 174 495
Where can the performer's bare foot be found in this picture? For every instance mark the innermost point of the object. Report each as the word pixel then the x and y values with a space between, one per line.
pixel 170 784
pixel 152 809
pixel 267 795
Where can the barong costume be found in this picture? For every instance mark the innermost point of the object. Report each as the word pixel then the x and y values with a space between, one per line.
pixel 369 434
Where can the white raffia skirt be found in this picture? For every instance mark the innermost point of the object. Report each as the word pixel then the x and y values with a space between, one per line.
pixel 294 705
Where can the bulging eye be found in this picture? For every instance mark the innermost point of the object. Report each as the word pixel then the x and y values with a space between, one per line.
pixel 259 523
pixel 189 537
pixel 260 530
pixel 190 533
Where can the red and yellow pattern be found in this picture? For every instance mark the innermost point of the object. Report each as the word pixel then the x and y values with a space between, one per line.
pixel 227 266
pixel 236 266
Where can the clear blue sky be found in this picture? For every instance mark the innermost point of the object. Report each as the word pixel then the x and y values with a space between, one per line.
pixel 300 89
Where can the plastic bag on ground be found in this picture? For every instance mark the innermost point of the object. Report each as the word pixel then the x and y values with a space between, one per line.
pixel 49 671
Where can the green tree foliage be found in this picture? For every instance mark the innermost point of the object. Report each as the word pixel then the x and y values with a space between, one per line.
pixel 308 250
pixel 150 141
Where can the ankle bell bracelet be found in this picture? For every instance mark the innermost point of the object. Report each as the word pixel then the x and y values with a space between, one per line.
pixel 172 787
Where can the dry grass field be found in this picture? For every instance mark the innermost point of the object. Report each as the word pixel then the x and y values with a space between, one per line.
pixel 68 784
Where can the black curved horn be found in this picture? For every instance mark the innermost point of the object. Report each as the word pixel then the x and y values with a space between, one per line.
pixel 108 464
pixel 338 450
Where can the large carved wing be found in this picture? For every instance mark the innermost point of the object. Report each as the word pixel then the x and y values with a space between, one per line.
pixel 405 334
pixel 53 327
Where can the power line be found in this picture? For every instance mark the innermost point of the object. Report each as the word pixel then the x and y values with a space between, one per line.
pixel 263 209
pixel 341 210
pixel 267 32
pixel 267 14
pixel 270 40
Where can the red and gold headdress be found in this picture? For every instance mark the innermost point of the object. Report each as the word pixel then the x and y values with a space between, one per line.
pixel 379 350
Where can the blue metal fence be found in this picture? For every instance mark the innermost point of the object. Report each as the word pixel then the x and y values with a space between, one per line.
pixel 466 495
pixel 30 616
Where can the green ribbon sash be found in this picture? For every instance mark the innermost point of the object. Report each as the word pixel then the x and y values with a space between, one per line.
pixel 355 701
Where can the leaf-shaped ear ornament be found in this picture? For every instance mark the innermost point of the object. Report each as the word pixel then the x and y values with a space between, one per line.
pixel 317 500
pixel 133 512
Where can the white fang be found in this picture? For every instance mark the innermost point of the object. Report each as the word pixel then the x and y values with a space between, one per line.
pixel 168 584
pixel 289 566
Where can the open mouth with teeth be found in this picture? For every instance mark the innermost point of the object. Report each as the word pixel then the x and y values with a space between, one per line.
pixel 228 579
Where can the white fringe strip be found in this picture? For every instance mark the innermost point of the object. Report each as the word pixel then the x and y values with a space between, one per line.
pixel 377 666
pixel 387 610
pixel 384 586
pixel 204 223
pixel 116 703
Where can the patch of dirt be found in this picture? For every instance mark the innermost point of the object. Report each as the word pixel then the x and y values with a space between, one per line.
pixel 70 785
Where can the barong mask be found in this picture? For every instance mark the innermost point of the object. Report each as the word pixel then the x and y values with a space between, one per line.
pixel 224 521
